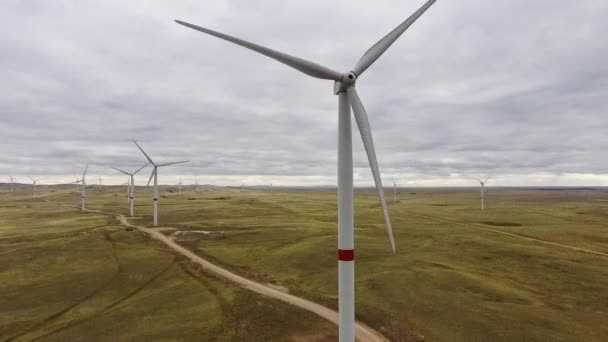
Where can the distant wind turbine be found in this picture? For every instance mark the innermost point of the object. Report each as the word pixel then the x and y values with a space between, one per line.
pixel 84 185
pixel 99 186
pixel 482 188
pixel 344 87
pixel 131 186
pixel 77 182
pixel 155 175
pixel 12 182
pixel 34 183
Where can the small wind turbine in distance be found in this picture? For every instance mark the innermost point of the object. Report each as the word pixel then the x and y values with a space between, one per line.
pixel 344 87
pixel 155 175
pixel 131 186
pixel 12 182
pixel 34 183
pixel 84 185
pixel 179 186
pixel 77 181
pixel 99 186
pixel 482 186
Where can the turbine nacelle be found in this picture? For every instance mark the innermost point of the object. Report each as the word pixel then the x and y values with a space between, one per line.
pixel 348 80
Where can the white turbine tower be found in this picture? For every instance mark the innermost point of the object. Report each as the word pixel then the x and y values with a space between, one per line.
pixel 12 182
pixel 34 184
pixel 482 189
pixel 344 87
pixel 99 186
pixel 84 185
pixel 155 175
pixel 131 186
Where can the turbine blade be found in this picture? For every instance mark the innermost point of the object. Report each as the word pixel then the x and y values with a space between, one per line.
pixel 151 175
pixel 85 172
pixel 309 68
pixel 117 169
pixel 371 55
pixel 368 143
pixel 142 151
pixel 134 173
pixel 177 162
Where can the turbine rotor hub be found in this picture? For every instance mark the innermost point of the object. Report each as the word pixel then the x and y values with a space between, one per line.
pixel 348 80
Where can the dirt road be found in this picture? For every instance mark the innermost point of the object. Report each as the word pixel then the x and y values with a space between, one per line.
pixel 363 332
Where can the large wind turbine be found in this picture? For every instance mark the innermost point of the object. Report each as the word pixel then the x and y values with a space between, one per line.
pixel 155 175
pixel 344 87
pixel 131 186
pixel 84 185
pixel 34 183
pixel 482 188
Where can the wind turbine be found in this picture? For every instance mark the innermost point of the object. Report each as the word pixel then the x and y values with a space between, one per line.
pixel 12 182
pixel 180 185
pixel 155 175
pixel 344 87
pixel 482 186
pixel 131 186
pixel 35 181
pixel 99 186
pixel 77 181
pixel 84 185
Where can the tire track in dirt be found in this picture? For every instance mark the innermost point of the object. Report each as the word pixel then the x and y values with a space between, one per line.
pixel 111 307
pixel 62 312
pixel 227 314
pixel 529 238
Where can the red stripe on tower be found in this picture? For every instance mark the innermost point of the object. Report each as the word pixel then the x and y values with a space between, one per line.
pixel 346 254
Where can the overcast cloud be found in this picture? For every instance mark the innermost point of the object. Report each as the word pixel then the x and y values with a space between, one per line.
pixel 513 88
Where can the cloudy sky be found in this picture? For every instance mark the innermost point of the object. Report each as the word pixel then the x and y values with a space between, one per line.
pixel 513 88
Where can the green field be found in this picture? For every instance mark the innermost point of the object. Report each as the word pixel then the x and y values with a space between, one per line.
pixel 66 275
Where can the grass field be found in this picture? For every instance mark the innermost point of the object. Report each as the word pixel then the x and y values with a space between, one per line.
pixel 65 274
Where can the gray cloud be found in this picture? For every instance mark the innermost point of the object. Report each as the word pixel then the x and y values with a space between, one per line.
pixel 511 88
